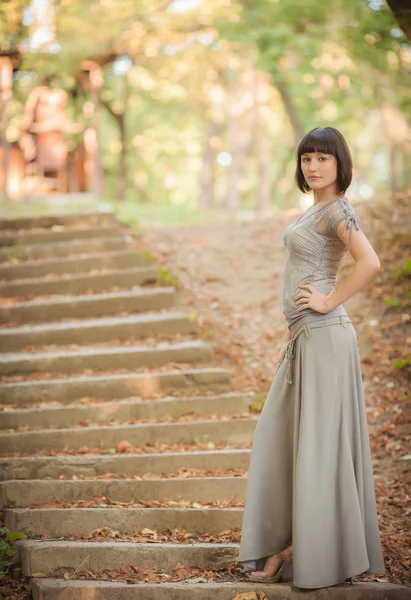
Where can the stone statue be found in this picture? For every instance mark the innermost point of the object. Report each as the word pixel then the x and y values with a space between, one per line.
pixel 44 127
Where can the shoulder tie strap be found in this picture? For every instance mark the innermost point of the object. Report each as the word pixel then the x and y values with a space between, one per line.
pixel 352 220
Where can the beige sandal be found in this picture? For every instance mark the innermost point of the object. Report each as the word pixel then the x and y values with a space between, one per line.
pixel 269 578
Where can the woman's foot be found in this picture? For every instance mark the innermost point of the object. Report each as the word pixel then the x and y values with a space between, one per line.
pixel 271 566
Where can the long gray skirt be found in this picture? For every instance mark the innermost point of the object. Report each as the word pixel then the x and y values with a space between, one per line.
pixel 310 479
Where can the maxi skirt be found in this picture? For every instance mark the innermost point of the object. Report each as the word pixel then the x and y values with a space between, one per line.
pixel 310 479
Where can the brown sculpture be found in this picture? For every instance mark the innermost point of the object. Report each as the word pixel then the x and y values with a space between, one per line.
pixel 40 160
pixel 43 134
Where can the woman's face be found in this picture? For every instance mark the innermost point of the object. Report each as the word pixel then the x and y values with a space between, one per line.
pixel 319 169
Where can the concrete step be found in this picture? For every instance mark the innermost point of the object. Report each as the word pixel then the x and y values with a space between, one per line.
pixel 18 493
pixel 110 387
pixel 55 558
pixel 39 467
pixel 83 263
pixel 102 359
pixel 62 220
pixel 79 283
pixel 63 589
pixel 64 522
pixel 89 306
pixel 63 249
pixel 122 410
pixel 60 234
pixel 94 331
pixel 225 431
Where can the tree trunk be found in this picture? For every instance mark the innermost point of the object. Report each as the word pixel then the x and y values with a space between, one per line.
pixel 263 153
pixel 97 175
pixel 122 174
pixel 264 157
pixel 402 12
pixel 241 125
pixel 282 173
pixel 122 178
pixel 394 156
pixel 290 109
pixel 207 176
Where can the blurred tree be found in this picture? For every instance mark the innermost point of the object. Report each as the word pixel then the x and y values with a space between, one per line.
pixel 402 12
pixel 175 90
pixel 12 27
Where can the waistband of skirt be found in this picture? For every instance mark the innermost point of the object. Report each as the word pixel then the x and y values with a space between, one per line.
pixel 291 344
pixel 297 329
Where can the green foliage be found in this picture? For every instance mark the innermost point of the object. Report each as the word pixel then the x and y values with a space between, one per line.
pixel 401 272
pixel 206 332
pixel 9 556
pixel 167 279
pixel 259 401
pixel 403 363
pixel 201 439
pixel 407 267
pixel 391 301
pixel 148 256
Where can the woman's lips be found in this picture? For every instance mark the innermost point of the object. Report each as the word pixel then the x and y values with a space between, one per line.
pixel 314 177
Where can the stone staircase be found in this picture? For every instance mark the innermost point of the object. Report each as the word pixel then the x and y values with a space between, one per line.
pixel 112 414
pixel 95 354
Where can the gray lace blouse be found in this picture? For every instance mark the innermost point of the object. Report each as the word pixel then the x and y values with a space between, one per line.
pixel 315 254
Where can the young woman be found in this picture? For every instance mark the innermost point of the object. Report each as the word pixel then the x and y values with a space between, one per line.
pixel 310 500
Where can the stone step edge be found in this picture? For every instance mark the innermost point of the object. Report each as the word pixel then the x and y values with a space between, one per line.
pixel 111 320
pixel 121 509
pixel 67 544
pixel 85 351
pixel 144 410
pixel 284 590
pixel 58 523
pixel 68 259
pixel 127 426
pixel 13 233
pixel 131 401
pixel 101 458
pixel 51 556
pixel 66 245
pixel 125 464
pixel 118 385
pixel 80 276
pixel 13 491
pixel 22 238
pixel 118 377
pixel 126 480
pixel 55 220
pixel 136 292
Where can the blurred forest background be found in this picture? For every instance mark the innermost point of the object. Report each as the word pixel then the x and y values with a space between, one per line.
pixel 187 114
pixel 203 102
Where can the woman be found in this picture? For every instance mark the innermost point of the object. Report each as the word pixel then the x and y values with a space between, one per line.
pixel 310 500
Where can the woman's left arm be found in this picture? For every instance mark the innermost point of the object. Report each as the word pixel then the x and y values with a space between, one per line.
pixel 367 265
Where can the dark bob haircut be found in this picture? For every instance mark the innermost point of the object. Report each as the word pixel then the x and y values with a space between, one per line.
pixel 329 141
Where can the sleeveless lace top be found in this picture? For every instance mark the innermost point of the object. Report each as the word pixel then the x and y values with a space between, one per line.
pixel 314 255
